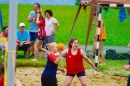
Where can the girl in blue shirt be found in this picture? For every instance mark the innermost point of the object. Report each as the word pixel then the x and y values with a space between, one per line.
pixel 48 77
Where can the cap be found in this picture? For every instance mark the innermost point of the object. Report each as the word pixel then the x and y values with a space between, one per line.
pixel 21 24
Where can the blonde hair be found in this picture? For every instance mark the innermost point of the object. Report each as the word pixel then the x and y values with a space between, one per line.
pixel 51 45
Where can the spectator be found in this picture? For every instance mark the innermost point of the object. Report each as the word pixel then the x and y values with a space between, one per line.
pixel 126 67
pixel 41 34
pixel 101 42
pixel 33 29
pixel 16 81
pixel 49 27
pixel 4 34
pixel 1 74
pixel 23 39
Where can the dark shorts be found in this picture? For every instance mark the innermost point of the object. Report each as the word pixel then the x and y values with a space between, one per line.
pixel 49 39
pixel 41 38
pixel 24 47
pixel 78 74
pixel 128 83
pixel 48 81
pixel 102 40
pixel 33 36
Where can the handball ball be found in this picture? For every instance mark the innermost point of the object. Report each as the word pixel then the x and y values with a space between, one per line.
pixel 60 46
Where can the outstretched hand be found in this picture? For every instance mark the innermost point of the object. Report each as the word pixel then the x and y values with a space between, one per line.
pixel 96 69
pixel 62 70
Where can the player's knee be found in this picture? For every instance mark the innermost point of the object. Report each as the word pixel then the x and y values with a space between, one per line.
pixel 67 84
pixel 84 84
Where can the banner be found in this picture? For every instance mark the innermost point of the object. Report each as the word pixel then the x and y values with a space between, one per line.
pixel 1 22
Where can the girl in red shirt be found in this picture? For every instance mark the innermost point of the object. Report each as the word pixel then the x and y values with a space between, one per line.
pixel 74 63
pixel 41 33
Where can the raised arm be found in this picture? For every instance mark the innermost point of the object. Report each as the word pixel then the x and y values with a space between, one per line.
pixel 30 17
pixel 37 19
pixel 59 57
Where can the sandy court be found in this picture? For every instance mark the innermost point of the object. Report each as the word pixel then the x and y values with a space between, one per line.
pixel 31 76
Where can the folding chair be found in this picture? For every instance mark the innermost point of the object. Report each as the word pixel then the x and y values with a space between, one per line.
pixel 4 41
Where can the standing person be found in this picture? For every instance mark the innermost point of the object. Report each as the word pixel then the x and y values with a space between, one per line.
pixel 101 42
pixel 23 39
pixel 16 80
pixel 126 67
pixel 74 63
pixel 1 74
pixel 49 27
pixel 4 34
pixel 48 77
pixel 41 33
pixel 33 28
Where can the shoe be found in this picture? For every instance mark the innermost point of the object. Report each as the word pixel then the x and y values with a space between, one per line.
pixel 33 59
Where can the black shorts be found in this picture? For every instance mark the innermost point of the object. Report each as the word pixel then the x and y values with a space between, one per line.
pixel 41 38
pixel 78 74
pixel 24 47
pixel 128 83
pixel 48 81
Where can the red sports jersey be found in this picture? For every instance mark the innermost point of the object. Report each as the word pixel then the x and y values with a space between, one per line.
pixel 74 62
pixel 41 26
pixel 2 81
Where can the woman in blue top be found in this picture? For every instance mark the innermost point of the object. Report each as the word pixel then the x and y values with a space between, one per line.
pixel 48 77
pixel 126 67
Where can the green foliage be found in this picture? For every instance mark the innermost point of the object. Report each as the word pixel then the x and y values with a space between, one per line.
pixel 1 60
pixel 77 2
pixel 23 62
pixel 112 67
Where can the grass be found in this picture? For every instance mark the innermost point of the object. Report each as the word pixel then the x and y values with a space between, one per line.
pixel 118 34
pixel 112 67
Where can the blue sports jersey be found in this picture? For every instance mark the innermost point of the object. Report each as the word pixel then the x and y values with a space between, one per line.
pixel 50 69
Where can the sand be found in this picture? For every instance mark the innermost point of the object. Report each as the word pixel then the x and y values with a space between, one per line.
pixel 31 76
